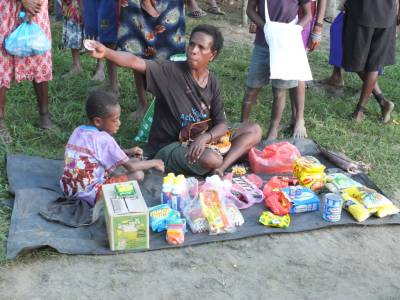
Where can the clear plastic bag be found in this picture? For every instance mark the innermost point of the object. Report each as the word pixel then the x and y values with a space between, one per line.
pixel 27 39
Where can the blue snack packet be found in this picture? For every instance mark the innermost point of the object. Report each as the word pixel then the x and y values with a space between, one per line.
pixel 161 215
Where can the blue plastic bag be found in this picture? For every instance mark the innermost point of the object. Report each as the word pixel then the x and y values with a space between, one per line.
pixel 27 40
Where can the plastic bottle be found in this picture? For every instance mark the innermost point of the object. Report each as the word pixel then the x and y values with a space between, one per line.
pixel 177 192
pixel 166 192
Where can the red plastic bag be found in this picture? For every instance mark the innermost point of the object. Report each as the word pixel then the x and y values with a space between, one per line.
pixel 275 158
pixel 275 200
pixel 278 203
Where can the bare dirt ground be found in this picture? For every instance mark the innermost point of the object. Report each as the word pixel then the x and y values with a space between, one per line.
pixel 338 263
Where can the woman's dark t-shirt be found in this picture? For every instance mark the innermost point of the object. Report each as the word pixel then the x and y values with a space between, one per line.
pixel 373 13
pixel 180 101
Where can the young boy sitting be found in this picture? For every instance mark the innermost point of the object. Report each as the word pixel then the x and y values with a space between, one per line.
pixel 258 76
pixel 92 154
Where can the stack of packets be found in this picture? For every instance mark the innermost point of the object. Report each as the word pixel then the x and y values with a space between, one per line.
pixel 361 202
pixel 284 196
pixel 310 172
pixel 163 217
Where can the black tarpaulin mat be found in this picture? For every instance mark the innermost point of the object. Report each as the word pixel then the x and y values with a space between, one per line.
pixel 35 183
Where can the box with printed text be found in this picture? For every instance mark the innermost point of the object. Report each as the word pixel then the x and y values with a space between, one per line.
pixel 127 216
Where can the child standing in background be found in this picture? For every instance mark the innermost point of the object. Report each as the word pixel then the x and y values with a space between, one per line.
pixel 284 11
pixel 72 33
pixel 92 154
pixel 72 36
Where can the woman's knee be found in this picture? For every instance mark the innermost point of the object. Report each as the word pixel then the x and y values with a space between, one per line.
pixel 210 160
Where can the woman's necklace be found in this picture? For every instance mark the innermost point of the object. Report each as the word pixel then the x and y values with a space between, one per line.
pixel 203 81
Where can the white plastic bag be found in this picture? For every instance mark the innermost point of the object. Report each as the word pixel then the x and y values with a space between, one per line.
pixel 288 58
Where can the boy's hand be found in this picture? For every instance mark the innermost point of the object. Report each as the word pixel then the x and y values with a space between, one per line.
pixel 158 164
pixel 32 6
pixel 96 49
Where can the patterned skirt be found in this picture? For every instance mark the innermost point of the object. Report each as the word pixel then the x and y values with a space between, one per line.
pixel 150 37
pixel 72 34
pixel 36 68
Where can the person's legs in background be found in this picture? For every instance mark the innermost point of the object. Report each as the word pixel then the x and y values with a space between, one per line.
pixel 297 98
pixel 142 103
pixel 257 77
pixel 42 95
pixel 194 11
pixel 5 135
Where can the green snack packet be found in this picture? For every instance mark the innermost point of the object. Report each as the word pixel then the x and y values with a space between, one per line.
pixel 125 189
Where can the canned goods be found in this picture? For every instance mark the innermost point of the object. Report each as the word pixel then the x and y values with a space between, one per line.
pixel 332 207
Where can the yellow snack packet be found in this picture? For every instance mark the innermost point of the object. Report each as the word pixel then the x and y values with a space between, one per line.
pixel 267 218
pixel 355 208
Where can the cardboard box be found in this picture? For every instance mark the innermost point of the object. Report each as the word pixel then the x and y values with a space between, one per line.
pixel 308 201
pixel 127 218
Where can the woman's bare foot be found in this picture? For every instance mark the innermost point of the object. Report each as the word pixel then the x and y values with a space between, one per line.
pixel 386 109
pixel 75 70
pixel 358 115
pixel 299 130
pixel 45 122
pixel 333 81
pixel 219 172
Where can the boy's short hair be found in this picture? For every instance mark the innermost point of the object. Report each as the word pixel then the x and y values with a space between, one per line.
pixel 98 102
pixel 214 32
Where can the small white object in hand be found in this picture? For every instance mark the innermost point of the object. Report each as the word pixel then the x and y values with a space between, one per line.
pixel 88 44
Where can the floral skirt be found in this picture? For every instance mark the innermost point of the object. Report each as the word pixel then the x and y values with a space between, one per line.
pixel 150 37
pixel 36 68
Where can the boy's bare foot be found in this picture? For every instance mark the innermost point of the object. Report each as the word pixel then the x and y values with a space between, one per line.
pixel 386 109
pixel 5 135
pixel 45 122
pixel 272 133
pixel 71 73
pixel 149 7
pixel 300 131
pixel 333 81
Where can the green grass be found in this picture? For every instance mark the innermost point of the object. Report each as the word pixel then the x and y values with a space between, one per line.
pixel 327 115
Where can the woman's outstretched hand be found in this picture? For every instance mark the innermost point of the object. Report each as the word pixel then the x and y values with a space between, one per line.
pixel 95 49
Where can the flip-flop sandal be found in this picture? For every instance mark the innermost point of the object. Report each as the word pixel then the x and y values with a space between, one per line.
pixel 196 14
pixel 5 136
pixel 215 10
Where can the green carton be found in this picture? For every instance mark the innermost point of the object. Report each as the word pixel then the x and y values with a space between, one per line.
pixel 127 218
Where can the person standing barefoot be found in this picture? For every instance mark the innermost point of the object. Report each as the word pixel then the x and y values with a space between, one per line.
pixel 37 69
